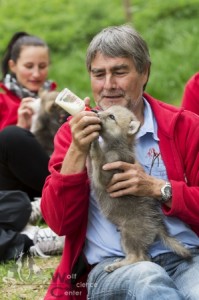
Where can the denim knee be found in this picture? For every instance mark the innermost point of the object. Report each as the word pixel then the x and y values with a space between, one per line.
pixel 143 280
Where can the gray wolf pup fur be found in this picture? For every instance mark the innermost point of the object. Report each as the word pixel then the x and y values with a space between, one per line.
pixel 51 116
pixel 139 219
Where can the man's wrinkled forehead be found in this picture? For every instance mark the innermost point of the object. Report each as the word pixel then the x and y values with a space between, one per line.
pixel 113 69
pixel 101 63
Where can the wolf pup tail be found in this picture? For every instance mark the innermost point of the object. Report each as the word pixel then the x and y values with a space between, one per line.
pixel 176 246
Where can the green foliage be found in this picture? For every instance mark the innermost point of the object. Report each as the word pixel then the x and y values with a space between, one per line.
pixel 169 27
pixel 172 33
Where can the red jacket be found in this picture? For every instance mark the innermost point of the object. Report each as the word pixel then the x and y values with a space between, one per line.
pixel 65 197
pixel 9 104
pixel 190 99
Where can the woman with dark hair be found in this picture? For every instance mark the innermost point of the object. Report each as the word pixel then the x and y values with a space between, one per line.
pixel 25 69
pixel 23 160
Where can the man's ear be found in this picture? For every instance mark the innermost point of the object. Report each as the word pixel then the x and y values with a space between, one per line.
pixel 133 127
pixel 12 65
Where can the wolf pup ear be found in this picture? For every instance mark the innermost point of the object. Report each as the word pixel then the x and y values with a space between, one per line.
pixel 133 127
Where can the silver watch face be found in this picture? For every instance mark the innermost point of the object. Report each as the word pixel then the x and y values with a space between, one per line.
pixel 166 193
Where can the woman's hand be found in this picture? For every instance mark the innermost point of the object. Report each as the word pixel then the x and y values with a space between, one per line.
pixel 25 113
pixel 132 180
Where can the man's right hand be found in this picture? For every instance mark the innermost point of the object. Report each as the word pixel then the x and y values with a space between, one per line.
pixel 85 127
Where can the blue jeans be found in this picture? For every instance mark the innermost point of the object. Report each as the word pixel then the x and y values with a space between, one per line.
pixel 166 277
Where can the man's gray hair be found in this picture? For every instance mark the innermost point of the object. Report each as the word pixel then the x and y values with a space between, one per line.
pixel 120 41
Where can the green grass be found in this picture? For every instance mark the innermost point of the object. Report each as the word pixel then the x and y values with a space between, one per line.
pixel 24 284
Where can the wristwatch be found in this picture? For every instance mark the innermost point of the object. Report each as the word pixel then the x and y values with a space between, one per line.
pixel 166 193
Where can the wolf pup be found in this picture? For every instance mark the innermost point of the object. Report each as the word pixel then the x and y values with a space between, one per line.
pixel 138 219
pixel 50 117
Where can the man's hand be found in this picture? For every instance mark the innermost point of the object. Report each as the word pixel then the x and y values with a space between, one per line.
pixel 132 180
pixel 85 127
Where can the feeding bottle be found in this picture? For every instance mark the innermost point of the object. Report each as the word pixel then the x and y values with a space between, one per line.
pixel 70 102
